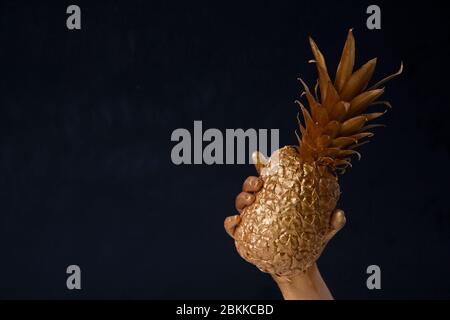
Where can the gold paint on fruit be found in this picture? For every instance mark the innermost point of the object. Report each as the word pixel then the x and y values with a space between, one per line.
pixel 285 230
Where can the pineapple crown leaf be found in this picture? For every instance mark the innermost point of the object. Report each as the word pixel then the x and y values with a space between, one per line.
pixel 336 119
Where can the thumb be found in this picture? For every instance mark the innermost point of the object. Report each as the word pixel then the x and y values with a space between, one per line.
pixel 259 160
pixel 337 222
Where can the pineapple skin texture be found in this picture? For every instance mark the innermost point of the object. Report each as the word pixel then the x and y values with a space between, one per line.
pixel 284 231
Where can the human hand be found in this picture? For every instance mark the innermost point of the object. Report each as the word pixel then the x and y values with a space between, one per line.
pixel 244 199
pixel 305 286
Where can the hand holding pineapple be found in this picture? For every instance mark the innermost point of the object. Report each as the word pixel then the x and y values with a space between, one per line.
pixel 309 285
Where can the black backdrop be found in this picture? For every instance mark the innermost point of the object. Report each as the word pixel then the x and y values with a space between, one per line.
pixel 85 124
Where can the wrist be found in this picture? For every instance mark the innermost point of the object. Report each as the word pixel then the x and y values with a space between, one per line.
pixel 304 286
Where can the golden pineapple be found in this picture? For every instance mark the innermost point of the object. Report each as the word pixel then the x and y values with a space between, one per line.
pixel 284 231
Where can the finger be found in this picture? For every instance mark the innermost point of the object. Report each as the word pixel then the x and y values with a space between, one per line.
pixel 243 200
pixel 337 222
pixel 252 184
pixel 231 223
pixel 259 160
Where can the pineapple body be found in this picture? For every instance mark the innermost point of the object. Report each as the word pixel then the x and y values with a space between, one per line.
pixel 283 231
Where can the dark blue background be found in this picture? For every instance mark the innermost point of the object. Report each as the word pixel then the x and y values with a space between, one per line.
pixel 85 124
